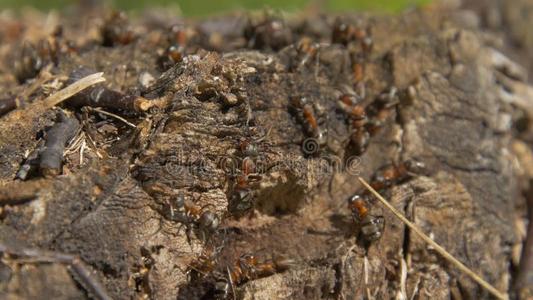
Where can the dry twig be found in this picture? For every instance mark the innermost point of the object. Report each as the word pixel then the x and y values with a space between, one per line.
pixel 51 158
pixel 11 122
pixel 80 270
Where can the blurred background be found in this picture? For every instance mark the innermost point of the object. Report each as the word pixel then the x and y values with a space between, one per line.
pixel 202 8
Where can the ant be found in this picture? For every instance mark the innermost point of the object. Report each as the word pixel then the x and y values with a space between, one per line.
pixel 247 267
pixel 192 216
pixel 250 148
pixel 392 174
pixel 302 53
pixel 345 34
pixel 174 53
pixel 272 33
pixel 249 152
pixel 34 58
pixel 372 225
pixel 366 121
pixel 382 109
pixel 306 113
pixel 140 277
pixel 178 35
pixel 204 264
pixel 356 112
pixel 116 30
pixel 242 196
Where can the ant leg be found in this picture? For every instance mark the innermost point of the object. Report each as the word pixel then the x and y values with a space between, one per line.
pixel 207 205
pixel 188 233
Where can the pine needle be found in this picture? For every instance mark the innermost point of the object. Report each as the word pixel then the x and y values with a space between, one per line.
pixel 436 246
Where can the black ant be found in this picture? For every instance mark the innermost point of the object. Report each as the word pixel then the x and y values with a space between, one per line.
pixel 140 277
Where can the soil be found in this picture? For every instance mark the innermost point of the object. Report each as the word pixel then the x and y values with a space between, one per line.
pixel 239 121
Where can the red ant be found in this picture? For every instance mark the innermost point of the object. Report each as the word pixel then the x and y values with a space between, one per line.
pixel 306 50
pixel 247 267
pixel 348 34
pixel 392 174
pixel 205 264
pixel 372 226
pixel 272 33
pixel 248 176
pixel 242 196
pixel 116 30
pixel 174 53
pixel 306 112
pixel 191 216
pixel 345 34
pixel 360 136
pixel 382 109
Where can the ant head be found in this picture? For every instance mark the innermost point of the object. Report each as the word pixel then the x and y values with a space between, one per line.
pixel 209 221
pixel 179 201
pixel 322 137
pixel 362 198
pixel 354 198
pixel 378 221
pixel 248 259
pixel 389 97
pixel 415 166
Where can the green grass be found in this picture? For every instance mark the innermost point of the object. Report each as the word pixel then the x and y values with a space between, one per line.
pixel 378 5
pixel 199 8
